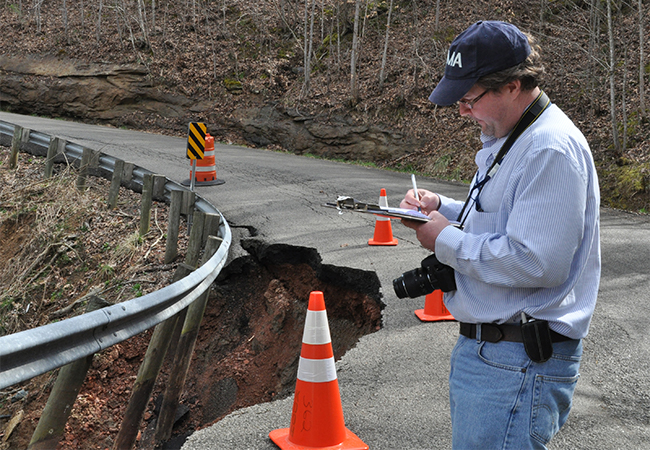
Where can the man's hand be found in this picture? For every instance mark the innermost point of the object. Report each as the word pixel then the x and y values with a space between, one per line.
pixel 428 201
pixel 427 232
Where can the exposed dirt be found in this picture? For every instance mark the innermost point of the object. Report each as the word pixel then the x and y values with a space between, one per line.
pixel 248 348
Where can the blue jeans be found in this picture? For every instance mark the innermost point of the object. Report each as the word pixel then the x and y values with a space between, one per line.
pixel 500 399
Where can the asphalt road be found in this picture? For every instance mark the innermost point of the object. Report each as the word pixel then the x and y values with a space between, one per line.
pixel 393 384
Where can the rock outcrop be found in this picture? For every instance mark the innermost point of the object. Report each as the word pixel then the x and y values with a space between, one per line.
pixel 106 93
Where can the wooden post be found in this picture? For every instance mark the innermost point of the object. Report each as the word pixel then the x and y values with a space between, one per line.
pixel 64 393
pixel 159 182
pixel 83 168
pixel 189 199
pixel 188 202
pixel 52 151
pixel 16 141
pixel 116 182
pixel 196 239
pixel 171 246
pixel 149 370
pixel 212 222
pixel 183 355
pixel 145 212
pixel 127 174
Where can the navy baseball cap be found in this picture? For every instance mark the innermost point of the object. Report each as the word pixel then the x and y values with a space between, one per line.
pixel 485 47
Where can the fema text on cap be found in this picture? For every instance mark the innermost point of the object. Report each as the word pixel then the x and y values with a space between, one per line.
pixel 454 59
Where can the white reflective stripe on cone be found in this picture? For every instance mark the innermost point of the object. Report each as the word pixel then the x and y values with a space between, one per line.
pixel 316 370
pixel 317 330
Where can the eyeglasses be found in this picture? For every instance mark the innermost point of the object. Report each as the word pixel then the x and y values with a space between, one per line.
pixel 470 104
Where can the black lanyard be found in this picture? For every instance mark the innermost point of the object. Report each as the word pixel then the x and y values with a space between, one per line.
pixel 528 117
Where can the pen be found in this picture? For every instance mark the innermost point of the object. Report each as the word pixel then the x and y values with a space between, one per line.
pixel 415 190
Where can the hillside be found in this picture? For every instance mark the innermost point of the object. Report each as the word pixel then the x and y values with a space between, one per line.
pixel 239 67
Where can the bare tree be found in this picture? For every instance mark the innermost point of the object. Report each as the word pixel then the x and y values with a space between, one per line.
pixel 624 102
pixel 437 22
pixel 98 29
pixel 612 87
pixel 142 21
pixel 383 57
pixel 153 14
pixel 308 45
pixel 118 23
pixel 338 33
pixel 64 14
pixel 594 44
pixel 354 88
pixel 642 110
pixel 37 14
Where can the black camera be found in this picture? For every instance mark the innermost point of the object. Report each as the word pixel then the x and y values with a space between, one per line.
pixel 430 276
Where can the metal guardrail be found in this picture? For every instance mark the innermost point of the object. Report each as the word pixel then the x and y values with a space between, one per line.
pixel 29 353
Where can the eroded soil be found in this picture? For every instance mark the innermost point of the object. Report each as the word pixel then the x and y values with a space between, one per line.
pixel 249 344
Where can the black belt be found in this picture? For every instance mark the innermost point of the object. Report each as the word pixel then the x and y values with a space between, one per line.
pixel 491 332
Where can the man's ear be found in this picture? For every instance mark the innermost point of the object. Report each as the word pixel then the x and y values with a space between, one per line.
pixel 513 88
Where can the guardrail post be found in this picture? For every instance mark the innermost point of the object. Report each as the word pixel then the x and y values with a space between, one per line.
pixel 188 202
pixel 116 182
pixel 147 197
pixel 83 168
pixel 148 372
pixel 171 245
pixel 211 226
pixel 183 354
pixel 52 151
pixel 127 174
pixel 148 183
pixel 64 393
pixel 193 250
pixel 15 146
pixel 159 182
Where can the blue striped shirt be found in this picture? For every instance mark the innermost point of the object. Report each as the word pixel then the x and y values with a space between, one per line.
pixel 535 248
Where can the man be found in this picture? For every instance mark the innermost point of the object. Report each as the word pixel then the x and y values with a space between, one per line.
pixel 527 253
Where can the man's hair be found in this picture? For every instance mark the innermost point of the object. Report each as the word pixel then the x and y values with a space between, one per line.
pixel 529 72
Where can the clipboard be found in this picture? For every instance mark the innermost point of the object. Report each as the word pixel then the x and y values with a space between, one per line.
pixel 344 203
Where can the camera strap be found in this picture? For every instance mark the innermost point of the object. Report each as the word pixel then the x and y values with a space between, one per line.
pixel 534 110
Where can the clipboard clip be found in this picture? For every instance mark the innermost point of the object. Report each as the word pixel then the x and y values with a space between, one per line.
pixel 344 202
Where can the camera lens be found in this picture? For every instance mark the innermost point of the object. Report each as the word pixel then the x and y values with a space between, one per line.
pixel 399 288
pixel 414 283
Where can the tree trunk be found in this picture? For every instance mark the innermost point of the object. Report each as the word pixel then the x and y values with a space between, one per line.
pixel 642 110
pixel 594 38
pixel 612 87
pixel 383 57
pixel 623 103
pixel 306 56
pixel 354 90
pixel 99 22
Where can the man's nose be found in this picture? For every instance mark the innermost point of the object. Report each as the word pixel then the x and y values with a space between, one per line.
pixel 464 110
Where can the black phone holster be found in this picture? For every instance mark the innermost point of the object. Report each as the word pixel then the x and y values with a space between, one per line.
pixel 536 335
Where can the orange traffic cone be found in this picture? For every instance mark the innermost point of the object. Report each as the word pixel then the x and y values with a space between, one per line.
pixel 206 168
pixel 317 415
pixel 383 229
pixel 434 308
